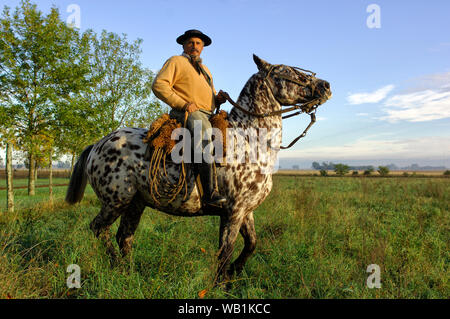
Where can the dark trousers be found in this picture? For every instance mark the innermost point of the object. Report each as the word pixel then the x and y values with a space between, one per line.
pixel 199 143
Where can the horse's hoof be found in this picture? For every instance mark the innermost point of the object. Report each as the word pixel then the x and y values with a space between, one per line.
pixel 225 284
pixel 112 256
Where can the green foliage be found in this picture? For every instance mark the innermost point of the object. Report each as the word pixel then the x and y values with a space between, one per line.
pixel 40 64
pixel 119 93
pixel 369 171
pixel 62 89
pixel 447 173
pixel 122 91
pixel 383 170
pixel 316 238
pixel 323 172
pixel 355 173
pixel 316 165
pixel 341 169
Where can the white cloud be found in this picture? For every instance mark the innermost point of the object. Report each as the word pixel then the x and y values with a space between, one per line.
pixel 426 98
pixel 426 105
pixel 429 82
pixel 365 148
pixel 373 97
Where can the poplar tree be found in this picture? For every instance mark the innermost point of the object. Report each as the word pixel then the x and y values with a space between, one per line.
pixel 41 62
pixel 122 91
pixel 119 94
pixel 7 140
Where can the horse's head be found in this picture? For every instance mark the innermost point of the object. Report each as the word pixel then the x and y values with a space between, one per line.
pixel 292 85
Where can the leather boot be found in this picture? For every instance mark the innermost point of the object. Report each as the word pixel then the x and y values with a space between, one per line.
pixel 210 196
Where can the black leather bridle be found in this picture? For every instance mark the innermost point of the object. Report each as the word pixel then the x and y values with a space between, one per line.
pixel 307 107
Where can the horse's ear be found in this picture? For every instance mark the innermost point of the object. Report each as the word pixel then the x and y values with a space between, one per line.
pixel 260 63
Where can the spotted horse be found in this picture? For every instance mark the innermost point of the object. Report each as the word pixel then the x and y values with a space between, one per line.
pixel 116 169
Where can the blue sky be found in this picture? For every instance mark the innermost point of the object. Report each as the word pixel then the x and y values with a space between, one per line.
pixel 391 85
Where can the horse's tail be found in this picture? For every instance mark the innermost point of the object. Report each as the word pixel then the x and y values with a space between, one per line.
pixel 78 180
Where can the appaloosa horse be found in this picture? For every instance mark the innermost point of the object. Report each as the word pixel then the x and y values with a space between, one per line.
pixel 118 173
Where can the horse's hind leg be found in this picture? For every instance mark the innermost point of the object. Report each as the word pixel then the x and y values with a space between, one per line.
pixel 128 225
pixel 229 229
pixel 248 232
pixel 101 224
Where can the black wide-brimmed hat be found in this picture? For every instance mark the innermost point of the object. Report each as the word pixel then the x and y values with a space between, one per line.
pixel 194 34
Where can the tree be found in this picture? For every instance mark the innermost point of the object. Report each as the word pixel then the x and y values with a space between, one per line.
pixel 316 165
pixel 328 166
pixel 123 92
pixel 383 170
pixel 369 171
pixel 119 94
pixel 341 169
pixel 323 172
pixel 8 138
pixel 39 64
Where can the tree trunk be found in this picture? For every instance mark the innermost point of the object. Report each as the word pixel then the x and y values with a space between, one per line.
pixel 35 171
pixel 9 179
pixel 50 178
pixel 31 175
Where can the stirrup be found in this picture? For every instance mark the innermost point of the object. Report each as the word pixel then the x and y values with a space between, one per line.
pixel 215 200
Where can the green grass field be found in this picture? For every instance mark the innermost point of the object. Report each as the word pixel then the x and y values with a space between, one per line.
pixel 316 237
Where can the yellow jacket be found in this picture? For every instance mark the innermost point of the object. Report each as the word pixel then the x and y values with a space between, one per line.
pixel 178 83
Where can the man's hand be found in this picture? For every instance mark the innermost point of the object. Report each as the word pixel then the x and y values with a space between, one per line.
pixel 221 97
pixel 191 107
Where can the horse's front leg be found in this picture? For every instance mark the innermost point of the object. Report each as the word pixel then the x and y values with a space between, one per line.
pixel 229 229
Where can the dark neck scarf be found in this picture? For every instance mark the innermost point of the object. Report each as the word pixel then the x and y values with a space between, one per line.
pixel 196 62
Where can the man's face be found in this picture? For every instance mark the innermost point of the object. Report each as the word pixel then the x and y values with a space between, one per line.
pixel 193 46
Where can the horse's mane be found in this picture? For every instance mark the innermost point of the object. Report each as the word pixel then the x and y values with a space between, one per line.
pixel 247 95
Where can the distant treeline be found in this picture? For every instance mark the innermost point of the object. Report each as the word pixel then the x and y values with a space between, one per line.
pixel 331 166
pixel 41 173
pixel 58 165
pixel 414 167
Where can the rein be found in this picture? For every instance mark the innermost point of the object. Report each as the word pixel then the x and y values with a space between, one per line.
pixel 307 107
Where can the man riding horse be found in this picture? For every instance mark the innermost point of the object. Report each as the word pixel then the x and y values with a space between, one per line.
pixel 186 84
pixel 116 168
